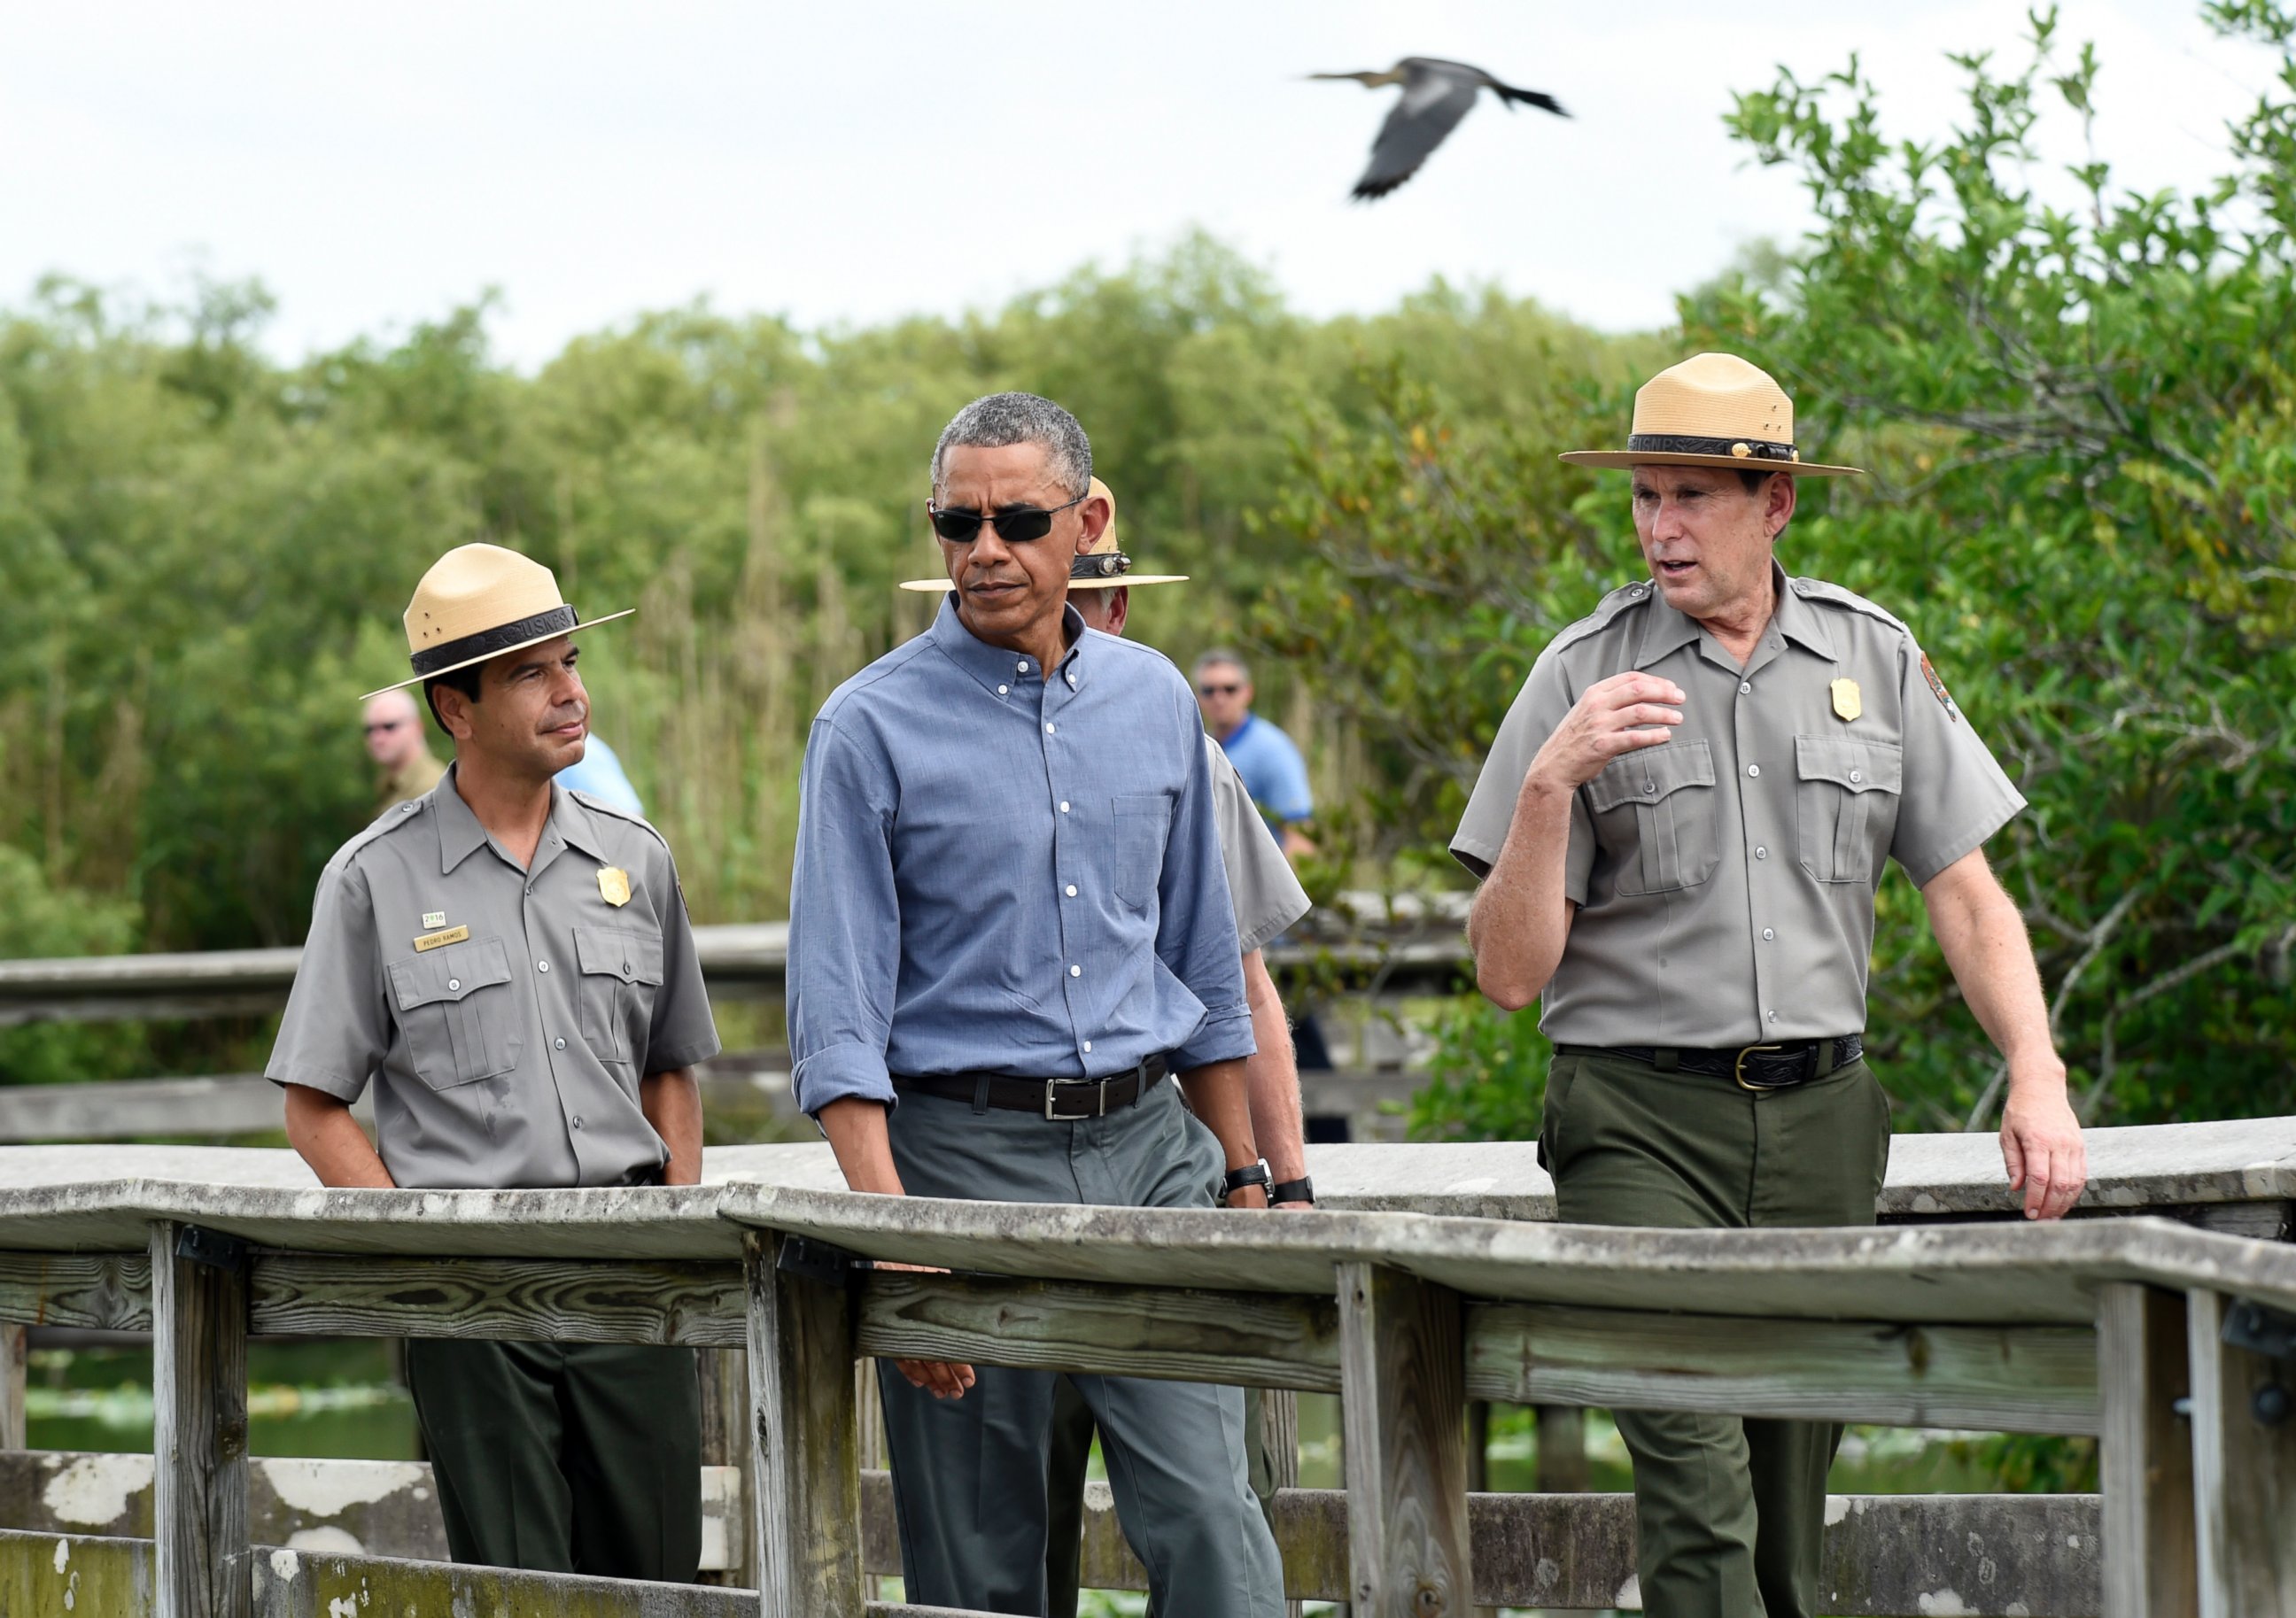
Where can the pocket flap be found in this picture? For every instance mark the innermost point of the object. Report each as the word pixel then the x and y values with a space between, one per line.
pixel 1648 774
pixel 611 952
pixel 1853 766
pixel 454 973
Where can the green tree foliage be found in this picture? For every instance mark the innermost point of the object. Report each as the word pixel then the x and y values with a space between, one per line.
pixel 2075 405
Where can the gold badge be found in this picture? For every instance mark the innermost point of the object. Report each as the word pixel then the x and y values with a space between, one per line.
pixel 1847 702
pixel 614 885
pixel 437 941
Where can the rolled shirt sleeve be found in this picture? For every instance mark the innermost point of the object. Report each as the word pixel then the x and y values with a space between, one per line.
pixel 1956 794
pixel 1196 935
pixel 845 924
pixel 1260 881
pixel 1543 703
pixel 683 1032
pixel 337 1028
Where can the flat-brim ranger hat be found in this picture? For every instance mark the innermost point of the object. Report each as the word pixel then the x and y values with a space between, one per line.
pixel 480 601
pixel 1099 565
pixel 1712 410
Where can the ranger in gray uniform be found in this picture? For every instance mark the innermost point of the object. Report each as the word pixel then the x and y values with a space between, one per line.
pixel 512 966
pixel 1680 829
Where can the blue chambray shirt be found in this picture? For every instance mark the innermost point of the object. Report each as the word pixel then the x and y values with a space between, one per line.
pixel 999 873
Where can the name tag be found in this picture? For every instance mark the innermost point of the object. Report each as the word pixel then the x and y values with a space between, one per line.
pixel 438 941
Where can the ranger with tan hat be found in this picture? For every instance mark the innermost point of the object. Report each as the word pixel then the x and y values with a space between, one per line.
pixel 511 965
pixel 1679 829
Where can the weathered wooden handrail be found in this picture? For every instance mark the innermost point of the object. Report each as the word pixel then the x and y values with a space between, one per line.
pixel 2092 1326
pixel 739 961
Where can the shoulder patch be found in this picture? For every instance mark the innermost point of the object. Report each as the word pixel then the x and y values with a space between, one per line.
pixel 1618 602
pixel 1937 688
pixel 1819 593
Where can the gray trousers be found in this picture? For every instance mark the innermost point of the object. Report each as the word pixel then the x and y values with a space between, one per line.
pixel 969 1474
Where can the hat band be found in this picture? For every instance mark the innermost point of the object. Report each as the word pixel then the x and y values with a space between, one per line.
pixel 487 642
pixel 1100 564
pixel 1737 449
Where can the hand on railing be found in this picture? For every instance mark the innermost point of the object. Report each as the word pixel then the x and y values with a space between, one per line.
pixel 942 1378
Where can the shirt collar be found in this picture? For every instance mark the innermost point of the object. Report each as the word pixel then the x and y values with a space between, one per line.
pixel 460 834
pixel 995 667
pixel 1665 629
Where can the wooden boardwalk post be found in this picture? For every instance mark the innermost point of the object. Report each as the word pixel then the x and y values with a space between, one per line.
pixel 199 1424
pixel 2146 1454
pixel 12 1385
pixel 805 1471
pixel 1404 1408
pixel 2244 1475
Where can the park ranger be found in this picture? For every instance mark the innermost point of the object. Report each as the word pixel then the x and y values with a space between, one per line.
pixel 1009 928
pixel 511 965
pixel 1268 900
pixel 1680 828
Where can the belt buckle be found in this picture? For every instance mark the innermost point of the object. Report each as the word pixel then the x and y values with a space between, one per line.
pixel 1101 1110
pixel 1738 1069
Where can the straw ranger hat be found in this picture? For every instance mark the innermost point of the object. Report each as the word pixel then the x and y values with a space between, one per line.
pixel 1099 565
pixel 1712 410
pixel 480 601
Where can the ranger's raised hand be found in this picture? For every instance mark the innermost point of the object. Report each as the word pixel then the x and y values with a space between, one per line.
pixel 1613 716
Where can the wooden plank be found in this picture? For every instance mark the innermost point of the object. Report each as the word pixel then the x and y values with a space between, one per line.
pixel 12 1385
pixel 2020 1379
pixel 199 1447
pixel 103 1291
pixel 1404 1399
pixel 725 1377
pixel 2243 1474
pixel 806 1467
pixel 2145 1453
pixel 1172 1333
pixel 1561 1440
pixel 521 1300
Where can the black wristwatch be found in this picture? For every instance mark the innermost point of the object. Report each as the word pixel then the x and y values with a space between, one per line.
pixel 1303 1189
pixel 1250 1173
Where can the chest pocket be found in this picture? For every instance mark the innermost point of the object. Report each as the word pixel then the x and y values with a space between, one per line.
pixel 457 1012
pixel 1654 812
pixel 1846 804
pixel 621 975
pixel 1143 825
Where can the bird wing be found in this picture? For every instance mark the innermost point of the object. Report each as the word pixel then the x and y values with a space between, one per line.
pixel 1507 94
pixel 1430 107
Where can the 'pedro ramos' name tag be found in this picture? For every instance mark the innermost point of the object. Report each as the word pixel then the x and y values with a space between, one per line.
pixel 438 941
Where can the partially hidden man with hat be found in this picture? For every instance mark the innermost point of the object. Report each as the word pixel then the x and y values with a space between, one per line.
pixel 1268 899
pixel 1009 934
pixel 1679 829
pixel 511 965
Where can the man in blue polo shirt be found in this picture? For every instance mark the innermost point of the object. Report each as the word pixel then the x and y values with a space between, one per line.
pixel 1271 766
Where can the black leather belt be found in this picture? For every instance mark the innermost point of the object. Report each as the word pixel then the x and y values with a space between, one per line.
pixel 1057 1100
pixel 1778 1066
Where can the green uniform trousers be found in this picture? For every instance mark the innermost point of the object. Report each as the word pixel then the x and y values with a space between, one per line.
pixel 564 1457
pixel 1730 1512
pixel 1070 1459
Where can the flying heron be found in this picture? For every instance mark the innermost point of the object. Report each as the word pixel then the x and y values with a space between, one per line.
pixel 1436 95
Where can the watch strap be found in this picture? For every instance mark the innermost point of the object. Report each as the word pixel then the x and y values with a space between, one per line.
pixel 1303 1189
pixel 1250 1173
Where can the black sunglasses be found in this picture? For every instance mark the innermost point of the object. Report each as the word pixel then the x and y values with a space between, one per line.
pixel 1015 525
pixel 1219 691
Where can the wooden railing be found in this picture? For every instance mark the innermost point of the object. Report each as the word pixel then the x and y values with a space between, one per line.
pixel 2106 1325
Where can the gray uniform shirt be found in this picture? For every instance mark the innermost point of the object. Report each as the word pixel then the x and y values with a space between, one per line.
pixel 1724 879
pixel 1268 894
pixel 505 1015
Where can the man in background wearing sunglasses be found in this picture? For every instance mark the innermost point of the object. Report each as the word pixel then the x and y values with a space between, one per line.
pixel 1266 758
pixel 1009 925
pixel 395 741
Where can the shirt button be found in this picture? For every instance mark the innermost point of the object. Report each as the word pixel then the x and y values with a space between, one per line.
pixel 561 1045
pixel 542 966
pixel 1753 769
pixel 453 983
pixel 1048 730
pixel 1745 688
pixel 1022 665
pixel 1649 787
pixel 406 808
pixel 1076 971
pixel 1773 1016
pixel 529 893
pixel 1003 690
pixel 1072 682
pixel 1071 890
pixel 1761 853
pixel 578 1120
pixel 1064 805
pixel 1087 1045
pixel 1855 777
pixel 1769 934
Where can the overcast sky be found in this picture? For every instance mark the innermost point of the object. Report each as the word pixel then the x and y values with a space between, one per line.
pixel 844 163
